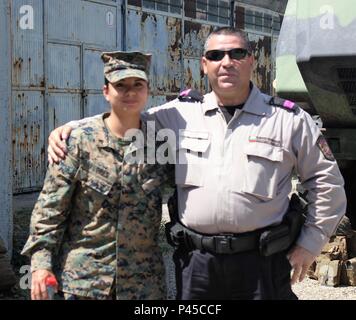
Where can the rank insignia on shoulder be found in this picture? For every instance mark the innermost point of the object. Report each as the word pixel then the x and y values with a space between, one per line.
pixel 190 95
pixel 325 149
pixel 286 104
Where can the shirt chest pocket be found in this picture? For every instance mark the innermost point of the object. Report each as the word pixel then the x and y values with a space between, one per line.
pixel 94 182
pixel 150 177
pixel 261 170
pixel 192 156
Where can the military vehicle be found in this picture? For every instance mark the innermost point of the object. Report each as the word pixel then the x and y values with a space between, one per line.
pixel 316 67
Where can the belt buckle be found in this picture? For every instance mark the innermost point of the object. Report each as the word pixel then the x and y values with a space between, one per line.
pixel 223 244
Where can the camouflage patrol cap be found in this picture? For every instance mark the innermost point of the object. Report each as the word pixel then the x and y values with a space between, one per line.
pixel 122 64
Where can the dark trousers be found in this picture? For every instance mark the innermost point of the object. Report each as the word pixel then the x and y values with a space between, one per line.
pixel 242 276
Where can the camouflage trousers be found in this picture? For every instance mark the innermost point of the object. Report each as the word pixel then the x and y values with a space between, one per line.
pixel 71 296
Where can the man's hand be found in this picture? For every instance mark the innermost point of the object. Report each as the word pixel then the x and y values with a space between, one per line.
pixel 300 260
pixel 56 145
pixel 38 284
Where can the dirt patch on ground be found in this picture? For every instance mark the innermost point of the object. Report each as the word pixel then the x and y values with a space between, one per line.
pixel 22 209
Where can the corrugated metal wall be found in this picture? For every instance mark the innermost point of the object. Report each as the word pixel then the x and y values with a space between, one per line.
pixel 176 41
pixel 27 97
pixel 6 220
pixel 57 72
pixel 161 35
pixel 177 45
pixel 251 18
pixel 194 36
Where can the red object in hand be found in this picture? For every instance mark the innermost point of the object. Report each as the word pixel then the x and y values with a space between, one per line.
pixel 51 281
pixel 51 284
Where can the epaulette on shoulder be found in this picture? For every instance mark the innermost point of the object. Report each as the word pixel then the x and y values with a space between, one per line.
pixel 190 95
pixel 282 103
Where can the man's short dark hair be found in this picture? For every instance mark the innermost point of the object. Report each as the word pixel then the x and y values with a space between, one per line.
pixel 230 31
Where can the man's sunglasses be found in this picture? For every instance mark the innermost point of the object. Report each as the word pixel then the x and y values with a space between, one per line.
pixel 236 54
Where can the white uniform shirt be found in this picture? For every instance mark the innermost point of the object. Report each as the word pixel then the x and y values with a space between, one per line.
pixel 238 175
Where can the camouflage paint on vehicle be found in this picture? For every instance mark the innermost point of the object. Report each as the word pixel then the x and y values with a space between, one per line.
pixel 316 59
pixel 316 67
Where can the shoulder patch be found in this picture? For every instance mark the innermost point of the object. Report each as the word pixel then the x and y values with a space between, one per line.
pixel 282 103
pixel 190 95
pixel 325 149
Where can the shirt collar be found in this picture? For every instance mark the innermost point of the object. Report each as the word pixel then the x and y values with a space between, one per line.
pixel 255 103
pixel 210 102
pixel 104 137
pixel 100 132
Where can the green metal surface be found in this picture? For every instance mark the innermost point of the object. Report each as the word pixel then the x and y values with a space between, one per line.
pixel 343 9
pixel 289 82
pixel 316 64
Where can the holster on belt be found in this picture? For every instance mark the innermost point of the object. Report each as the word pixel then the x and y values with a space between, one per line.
pixel 282 237
pixel 174 230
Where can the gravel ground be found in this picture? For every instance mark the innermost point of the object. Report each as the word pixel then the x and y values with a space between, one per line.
pixel 310 289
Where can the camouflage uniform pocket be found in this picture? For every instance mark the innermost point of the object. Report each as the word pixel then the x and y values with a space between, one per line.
pixel 94 181
pixel 150 185
pixel 150 177
pixel 98 184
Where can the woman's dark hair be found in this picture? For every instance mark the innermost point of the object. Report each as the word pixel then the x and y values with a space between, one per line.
pixel 106 82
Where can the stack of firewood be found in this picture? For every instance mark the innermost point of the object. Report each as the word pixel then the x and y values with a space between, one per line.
pixel 336 265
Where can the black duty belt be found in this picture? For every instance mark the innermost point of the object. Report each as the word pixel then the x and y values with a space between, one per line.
pixel 226 243
pixel 220 244
pixel 269 240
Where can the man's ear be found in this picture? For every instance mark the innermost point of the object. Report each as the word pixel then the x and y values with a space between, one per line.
pixel 203 65
pixel 252 59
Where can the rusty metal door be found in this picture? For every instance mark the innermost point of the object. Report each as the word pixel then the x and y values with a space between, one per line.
pixel 159 34
pixel 76 37
pixel 6 220
pixel 56 73
pixel 27 94
pixel 174 32
pixel 93 80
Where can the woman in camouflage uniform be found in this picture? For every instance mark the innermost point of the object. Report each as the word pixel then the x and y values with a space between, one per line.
pixel 95 225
